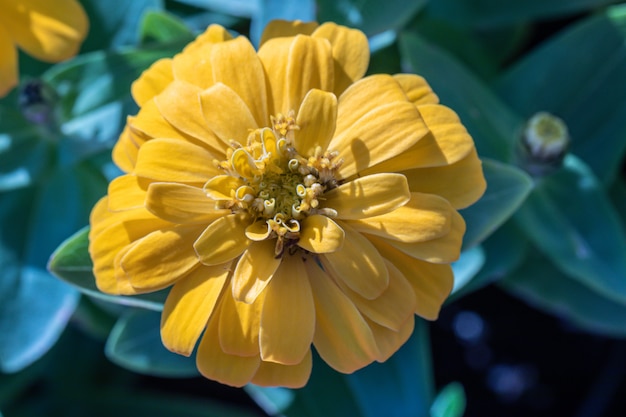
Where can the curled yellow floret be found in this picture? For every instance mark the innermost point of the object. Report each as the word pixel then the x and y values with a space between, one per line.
pixel 50 31
pixel 288 202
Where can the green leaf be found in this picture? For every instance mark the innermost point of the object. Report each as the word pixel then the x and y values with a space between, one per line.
pixel 371 16
pixel 492 124
pixel 162 27
pixel 543 286
pixel 240 8
pixel 450 402
pixel 71 262
pixel 579 76
pixel 466 268
pixel 279 9
pixel 497 13
pixel 115 23
pixel 507 188
pixel 135 344
pixel 571 220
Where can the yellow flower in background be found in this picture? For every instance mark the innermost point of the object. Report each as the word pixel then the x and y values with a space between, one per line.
pixel 287 201
pixel 50 31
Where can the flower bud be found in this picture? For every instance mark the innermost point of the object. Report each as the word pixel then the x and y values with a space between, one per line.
pixel 543 144
pixel 37 102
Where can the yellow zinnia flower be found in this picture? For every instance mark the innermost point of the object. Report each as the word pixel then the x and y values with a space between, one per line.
pixel 287 200
pixel 50 31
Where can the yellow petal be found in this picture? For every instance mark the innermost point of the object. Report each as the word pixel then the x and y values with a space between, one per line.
pixel 216 365
pixel 368 196
pixel 288 318
pixel 448 142
pixel 320 234
pixel 316 119
pixel 127 192
pixel 294 66
pixel 424 217
pixel 379 135
pixel 239 325
pixel 272 374
pixel 213 34
pixel 342 336
pixel 223 240
pixel 125 150
pixel 444 249
pixel 431 283
pixel 358 264
pixel 182 204
pixel 149 124
pixel 175 160
pixel 417 89
pixel 152 81
pixel 461 183
pixel 393 307
pixel 161 258
pixel 254 270
pixel 189 306
pixel 286 28
pixel 222 187
pixel 226 114
pixel 259 230
pixel 236 65
pixel 389 341
pixel 350 50
pixel 179 104
pixel 8 63
pixel 49 31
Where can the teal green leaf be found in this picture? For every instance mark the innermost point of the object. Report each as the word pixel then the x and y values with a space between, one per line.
pixel 579 76
pixel 239 8
pixel 450 402
pixel 571 220
pixel 279 9
pixel 71 262
pixel 492 124
pixel 162 27
pixel 495 13
pixel 543 286
pixel 617 193
pixel 507 188
pixel 115 23
pixel 371 16
pixel 135 344
pixel 466 268
pixel 24 156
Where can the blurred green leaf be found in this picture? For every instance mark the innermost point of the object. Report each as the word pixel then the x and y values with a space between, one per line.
pixel 115 23
pixel 497 13
pixel 579 76
pixel 407 389
pixel 507 188
pixel 543 286
pixel 240 8
pixel 571 220
pixel 450 402
pixel 492 124
pixel 371 16
pixel 618 197
pixel 71 262
pixel 24 157
pixel 466 268
pixel 135 344
pixel 162 27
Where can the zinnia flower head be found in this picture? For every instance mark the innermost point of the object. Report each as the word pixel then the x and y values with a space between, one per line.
pixel 287 201
pixel 50 31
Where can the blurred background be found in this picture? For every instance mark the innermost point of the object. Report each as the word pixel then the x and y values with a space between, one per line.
pixel 537 319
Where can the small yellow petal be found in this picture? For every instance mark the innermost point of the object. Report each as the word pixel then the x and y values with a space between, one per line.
pixel 8 63
pixel 189 306
pixel 254 270
pixel 358 264
pixel 182 204
pixel 258 231
pixel 417 89
pixel 320 234
pixel 425 217
pixel 126 149
pixel 342 336
pixel 239 325
pixel 223 240
pixel 272 374
pixel 214 364
pixel 222 187
pixel 161 258
pixel 350 50
pixel 316 119
pixel 288 318
pixel 152 81
pixel 286 28
pixel 368 196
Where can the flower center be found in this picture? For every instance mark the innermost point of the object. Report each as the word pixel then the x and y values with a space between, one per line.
pixel 270 181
